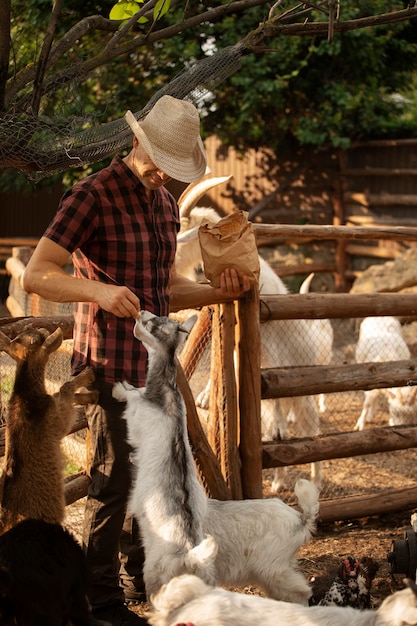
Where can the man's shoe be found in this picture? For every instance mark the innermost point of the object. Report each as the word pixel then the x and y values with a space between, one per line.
pixel 116 615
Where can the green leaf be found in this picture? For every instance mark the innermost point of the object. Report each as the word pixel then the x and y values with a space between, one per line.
pixel 124 10
pixel 161 7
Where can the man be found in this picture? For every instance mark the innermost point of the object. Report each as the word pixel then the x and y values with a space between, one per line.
pixel 120 225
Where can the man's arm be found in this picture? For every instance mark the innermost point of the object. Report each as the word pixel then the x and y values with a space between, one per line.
pixel 44 275
pixel 187 294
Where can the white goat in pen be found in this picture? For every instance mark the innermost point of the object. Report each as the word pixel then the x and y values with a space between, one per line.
pixel 283 342
pixel 380 339
pixel 188 600
pixel 167 498
pixel 257 540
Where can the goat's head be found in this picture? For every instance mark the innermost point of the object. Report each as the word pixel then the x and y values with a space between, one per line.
pixel 188 258
pixel 33 343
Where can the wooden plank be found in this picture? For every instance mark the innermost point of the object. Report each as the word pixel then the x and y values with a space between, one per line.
pixel 215 416
pixel 373 220
pixel 294 232
pixel 382 199
pixel 231 414
pixel 337 446
pixel 336 305
pixel 11 242
pixel 375 252
pixel 354 507
pixel 380 171
pixel 206 459
pixel 383 143
pixel 76 488
pixel 304 268
pixel 14 326
pixel 284 382
pixel 195 345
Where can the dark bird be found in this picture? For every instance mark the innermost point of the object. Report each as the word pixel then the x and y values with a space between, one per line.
pixel 350 586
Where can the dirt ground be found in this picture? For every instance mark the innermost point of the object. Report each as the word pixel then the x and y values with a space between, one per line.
pixel 370 536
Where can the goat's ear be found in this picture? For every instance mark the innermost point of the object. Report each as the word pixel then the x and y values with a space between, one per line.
pixel 53 342
pixel 187 326
pixel 4 342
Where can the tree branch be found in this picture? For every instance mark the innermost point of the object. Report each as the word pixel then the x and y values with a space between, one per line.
pixel 5 15
pixel 250 44
pixel 43 58
pixel 272 28
pixel 120 33
pixel 77 32
pixel 99 23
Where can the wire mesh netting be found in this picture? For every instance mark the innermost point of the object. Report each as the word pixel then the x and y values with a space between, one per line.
pixel 41 145
pixel 321 414
pixel 333 413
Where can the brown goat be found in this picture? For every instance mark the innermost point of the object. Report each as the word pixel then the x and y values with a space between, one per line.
pixel 32 482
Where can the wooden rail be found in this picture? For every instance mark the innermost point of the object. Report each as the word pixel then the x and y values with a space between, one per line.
pixel 253 455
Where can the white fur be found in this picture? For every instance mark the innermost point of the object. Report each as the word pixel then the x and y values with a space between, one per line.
pixel 258 541
pixel 322 333
pixel 167 497
pixel 283 343
pixel 188 600
pixel 380 339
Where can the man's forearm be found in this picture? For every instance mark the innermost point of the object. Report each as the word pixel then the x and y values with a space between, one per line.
pixel 55 284
pixel 186 294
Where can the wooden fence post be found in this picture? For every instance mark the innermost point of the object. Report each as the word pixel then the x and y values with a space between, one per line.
pixel 249 357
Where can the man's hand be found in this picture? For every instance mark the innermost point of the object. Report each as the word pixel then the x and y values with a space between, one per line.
pixel 231 285
pixel 117 300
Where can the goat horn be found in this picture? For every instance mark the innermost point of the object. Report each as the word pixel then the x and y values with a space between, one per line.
pixel 192 194
pixel 305 286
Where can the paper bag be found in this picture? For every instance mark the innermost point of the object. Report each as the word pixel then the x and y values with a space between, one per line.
pixel 229 243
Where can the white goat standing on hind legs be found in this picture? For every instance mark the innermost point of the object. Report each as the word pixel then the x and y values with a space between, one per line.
pixel 167 498
pixel 283 342
pixel 257 540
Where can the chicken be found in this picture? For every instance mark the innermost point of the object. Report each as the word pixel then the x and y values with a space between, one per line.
pixel 351 586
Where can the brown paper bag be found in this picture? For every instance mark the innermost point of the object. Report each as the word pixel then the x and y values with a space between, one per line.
pixel 229 243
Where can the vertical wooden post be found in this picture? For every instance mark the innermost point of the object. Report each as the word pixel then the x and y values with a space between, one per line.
pixel 339 219
pixel 223 420
pixel 215 417
pixel 233 466
pixel 249 351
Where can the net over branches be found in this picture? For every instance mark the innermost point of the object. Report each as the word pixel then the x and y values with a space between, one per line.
pixel 41 143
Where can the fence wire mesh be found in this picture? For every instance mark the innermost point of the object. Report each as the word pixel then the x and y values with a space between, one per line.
pixel 306 342
pixel 334 413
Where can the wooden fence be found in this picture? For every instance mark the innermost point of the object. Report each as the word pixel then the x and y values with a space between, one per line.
pixel 237 425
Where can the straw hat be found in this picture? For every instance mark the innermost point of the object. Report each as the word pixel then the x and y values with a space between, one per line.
pixel 170 134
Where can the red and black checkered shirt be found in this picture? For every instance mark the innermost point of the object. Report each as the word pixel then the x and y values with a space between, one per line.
pixel 117 237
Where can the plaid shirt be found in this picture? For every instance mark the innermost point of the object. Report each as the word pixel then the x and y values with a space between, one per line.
pixel 117 237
